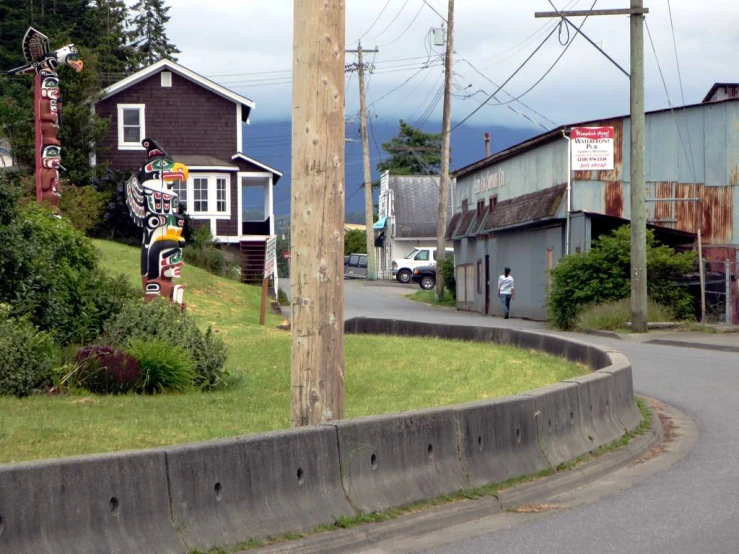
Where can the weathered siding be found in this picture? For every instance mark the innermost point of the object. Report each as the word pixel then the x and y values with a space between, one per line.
pixel 185 119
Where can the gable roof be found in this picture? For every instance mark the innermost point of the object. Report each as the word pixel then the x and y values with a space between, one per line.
pixel 531 207
pixel 416 201
pixel 185 73
pixel 276 172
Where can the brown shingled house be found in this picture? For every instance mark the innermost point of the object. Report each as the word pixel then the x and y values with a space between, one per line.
pixel 199 123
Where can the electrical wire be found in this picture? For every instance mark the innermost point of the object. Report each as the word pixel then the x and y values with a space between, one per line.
pixel 691 162
pixel 397 15
pixel 405 30
pixel 680 79
pixel 373 23
pixel 435 11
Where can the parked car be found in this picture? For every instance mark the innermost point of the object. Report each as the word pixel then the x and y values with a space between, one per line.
pixel 425 276
pixel 355 267
pixel 421 256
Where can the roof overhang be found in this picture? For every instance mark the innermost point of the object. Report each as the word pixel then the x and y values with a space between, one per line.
pixel 277 173
pixel 174 67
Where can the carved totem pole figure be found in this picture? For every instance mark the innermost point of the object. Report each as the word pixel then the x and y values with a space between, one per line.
pixel 155 207
pixel 47 106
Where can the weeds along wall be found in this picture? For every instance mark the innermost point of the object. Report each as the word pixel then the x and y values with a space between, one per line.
pixel 219 493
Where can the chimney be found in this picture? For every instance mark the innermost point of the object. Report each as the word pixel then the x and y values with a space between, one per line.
pixel 487 145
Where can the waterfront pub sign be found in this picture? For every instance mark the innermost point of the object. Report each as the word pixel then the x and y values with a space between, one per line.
pixel 592 148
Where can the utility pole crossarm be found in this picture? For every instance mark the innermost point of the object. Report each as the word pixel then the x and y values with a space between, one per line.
pixel 590 13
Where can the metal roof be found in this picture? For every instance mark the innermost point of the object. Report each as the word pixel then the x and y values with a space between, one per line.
pixel 416 201
pixel 555 134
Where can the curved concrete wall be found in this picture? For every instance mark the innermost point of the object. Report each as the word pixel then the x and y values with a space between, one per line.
pixel 205 495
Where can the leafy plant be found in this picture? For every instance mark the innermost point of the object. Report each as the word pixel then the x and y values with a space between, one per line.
pixel 27 356
pixel 205 253
pixel 164 366
pixel 104 370
pixel 603 274
pixel 355 242
pixel 83 207
pixel 445 268
pixel 162 319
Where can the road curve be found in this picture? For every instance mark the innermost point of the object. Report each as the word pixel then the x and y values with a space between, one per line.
pixel 690 508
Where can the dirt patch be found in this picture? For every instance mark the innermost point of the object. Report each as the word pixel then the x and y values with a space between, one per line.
pixel 669 433
pixel 535 508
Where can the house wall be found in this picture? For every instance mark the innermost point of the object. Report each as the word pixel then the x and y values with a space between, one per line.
pixel 185 119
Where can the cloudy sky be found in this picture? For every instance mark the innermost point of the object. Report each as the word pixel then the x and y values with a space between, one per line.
pixel 246 45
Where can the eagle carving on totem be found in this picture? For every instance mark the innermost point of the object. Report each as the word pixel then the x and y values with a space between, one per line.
pixel 40 58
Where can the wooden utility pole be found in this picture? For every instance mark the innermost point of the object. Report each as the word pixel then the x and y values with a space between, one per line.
pixel 317 229
pixel 368 211
pixel 446 125
pixel 637 123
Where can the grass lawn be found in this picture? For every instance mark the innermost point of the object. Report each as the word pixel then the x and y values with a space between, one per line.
pixel 383 374
pixel 429 297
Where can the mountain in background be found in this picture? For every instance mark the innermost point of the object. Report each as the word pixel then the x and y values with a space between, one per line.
pixel 270 143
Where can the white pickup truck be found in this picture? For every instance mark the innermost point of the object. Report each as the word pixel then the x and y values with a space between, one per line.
pixel 403 267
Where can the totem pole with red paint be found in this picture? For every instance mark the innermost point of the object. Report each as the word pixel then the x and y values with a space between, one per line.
pixel 47 107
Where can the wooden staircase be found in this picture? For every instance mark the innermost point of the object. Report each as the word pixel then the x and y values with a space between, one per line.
pixel 252 261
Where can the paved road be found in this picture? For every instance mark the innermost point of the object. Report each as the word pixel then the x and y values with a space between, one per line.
pixel 691 508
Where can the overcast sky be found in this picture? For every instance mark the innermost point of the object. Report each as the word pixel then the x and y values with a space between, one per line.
pixel 246 45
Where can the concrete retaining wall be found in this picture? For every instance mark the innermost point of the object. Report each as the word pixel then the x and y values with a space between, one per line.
pixel 205 495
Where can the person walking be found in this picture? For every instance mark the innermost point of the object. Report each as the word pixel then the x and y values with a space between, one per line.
pixel 506 291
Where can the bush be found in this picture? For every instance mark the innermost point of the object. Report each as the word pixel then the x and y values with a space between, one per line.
pixel 355 242
pixel 83 207
pixel 611 316
pixel 49 273
pixel 204 253
pixel 27 356
pixel 163 319
pixel 164 367
pixel 603 274
pixel 104 370
pixel 446 270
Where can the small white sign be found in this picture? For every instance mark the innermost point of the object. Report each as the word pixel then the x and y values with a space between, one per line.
pixel 270 256
pixel 592 148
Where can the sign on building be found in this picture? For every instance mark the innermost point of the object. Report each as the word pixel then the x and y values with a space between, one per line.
pixel 270 256
pixel 592 148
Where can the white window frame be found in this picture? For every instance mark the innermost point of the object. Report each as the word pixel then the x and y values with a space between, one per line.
pixel 166 79
pixel 212 211
pixel 122 145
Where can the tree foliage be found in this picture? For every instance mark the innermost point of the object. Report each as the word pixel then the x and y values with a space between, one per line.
pixel 603 274
pixel 355 242
pixel 149 36
pixel 403 160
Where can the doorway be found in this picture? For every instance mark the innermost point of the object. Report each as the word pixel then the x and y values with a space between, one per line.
pixel 487 284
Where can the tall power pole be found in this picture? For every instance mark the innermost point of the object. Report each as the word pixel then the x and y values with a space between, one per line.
pixel 637 122
pixel 446 124
pixel 317 229
pixel 638 194
pixel 368 212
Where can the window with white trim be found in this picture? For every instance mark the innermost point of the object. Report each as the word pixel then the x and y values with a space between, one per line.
pixel 180 189
pixel 221 195
pixel 206 194
pixel 200 194
pixel 131 126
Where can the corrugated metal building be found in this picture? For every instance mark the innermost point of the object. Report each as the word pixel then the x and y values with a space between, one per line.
pixel 510 208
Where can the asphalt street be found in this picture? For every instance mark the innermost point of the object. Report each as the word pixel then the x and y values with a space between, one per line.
pixel 693 507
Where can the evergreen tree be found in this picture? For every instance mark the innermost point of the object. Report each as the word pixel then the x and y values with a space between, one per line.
pixel 149 37
pixel 403 160
pixel 106 32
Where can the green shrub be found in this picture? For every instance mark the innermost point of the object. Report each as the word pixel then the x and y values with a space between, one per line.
pixel 205 253
pixel 103 370
pixel 163 319
pixel 83 207
pixel 611 316
pixel 164 366
pixel 355 242
pixel 446 270
pixel 603 274
pixel 27 356
pixel 49 273
pixel 282 298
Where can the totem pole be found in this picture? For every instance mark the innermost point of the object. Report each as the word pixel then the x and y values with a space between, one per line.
pixel 47 106
pixel 155 207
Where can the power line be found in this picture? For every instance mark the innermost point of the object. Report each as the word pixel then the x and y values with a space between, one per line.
pixel 397 15
pixel 435 11
pixel 680 79
pixel 522 66
pixel 691 162
pixel 374 22
pixel 406 29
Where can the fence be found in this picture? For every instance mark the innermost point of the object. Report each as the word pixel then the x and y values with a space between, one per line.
pixel 722 291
